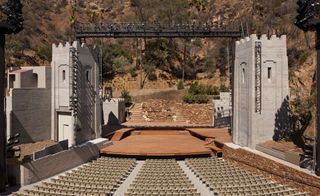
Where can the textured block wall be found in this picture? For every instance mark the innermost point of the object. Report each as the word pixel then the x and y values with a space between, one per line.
pixel 251 125
pixel 89 112
pixel 30 114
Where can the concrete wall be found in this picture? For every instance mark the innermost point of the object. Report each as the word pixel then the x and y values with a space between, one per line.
pixel 249 126
pixel 114 111
pixel 28 113
pixel 51 165
pixel 30 77
pixel 87 123
pixel 222 110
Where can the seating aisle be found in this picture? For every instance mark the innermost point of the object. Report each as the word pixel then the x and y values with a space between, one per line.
pixel 161 177
pixel 201 187
pixel 124 186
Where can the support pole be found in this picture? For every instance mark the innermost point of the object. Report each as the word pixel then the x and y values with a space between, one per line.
pixel 317 139
pixel 3 138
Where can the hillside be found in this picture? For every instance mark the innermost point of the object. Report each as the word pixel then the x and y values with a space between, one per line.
pixel 50 21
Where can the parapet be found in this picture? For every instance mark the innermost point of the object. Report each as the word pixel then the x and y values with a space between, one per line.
pixel 263 38
pixel 114 100
pixel 67 45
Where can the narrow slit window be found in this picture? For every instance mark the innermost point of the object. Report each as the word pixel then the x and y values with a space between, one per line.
pixel 269 73
pixel 243 75
pixel 87 75
pixel 63 75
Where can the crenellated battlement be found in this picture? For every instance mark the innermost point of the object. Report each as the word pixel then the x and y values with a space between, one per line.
pixel 67 45
pixel 263 38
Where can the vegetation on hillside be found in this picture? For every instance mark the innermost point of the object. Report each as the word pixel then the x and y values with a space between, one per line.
pixel 48 22
pixel 182 57
pixel 200 94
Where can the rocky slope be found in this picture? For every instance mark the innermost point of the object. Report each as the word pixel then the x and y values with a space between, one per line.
pixel 50 21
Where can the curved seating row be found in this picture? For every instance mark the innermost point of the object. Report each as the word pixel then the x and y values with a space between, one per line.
pixel 223 178
pixel 100 177
pixel 161 177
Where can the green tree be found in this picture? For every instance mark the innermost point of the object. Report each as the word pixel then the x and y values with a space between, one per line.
pixel 44 52
pixel 119 64
pixel 115 57
pixel 180 85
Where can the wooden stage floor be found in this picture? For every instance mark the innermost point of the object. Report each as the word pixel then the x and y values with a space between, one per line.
pixel 158 143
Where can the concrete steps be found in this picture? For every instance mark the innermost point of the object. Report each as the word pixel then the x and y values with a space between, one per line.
pixel 202 188
pixel 136 113
pixel 125 185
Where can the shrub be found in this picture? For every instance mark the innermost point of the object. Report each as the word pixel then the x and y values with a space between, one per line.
pixel 224 88
pixel 196 88
pixel 192 99
pixel 152 77
pixel 119 64
pixel 44 52
pixel 180 85
pixel 212 90
pixel 133 72
pixel 125 94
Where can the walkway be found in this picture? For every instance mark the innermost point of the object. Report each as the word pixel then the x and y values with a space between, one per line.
pixel 125 185
pixel 202 188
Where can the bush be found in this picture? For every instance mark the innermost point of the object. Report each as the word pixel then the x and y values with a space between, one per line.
pixel 180 85
pixel 223 88
pixel 192 99
pixel 196 88
pixel 133 72
pixel 297 57
pixel 152 77
pixel 44 52
pixel 119 64
pixel 125 94
pixel 212 90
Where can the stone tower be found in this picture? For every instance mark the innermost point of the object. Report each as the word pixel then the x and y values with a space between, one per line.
pixel 76 106
pixel 261 89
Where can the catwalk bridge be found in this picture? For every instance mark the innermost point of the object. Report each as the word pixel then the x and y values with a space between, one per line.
pixel 141 30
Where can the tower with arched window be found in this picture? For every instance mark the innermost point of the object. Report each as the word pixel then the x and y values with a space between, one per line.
pixel 261 90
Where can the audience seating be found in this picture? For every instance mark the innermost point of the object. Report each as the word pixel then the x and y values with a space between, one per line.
pixel 100 177
pixel 223 178
pixel 161 177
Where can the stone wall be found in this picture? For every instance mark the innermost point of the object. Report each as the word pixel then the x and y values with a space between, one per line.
pixel 261 89
pixel 28 113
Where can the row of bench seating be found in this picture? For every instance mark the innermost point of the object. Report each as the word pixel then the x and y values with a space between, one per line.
pixel 223 178
pixel 100 177
pixel 161 177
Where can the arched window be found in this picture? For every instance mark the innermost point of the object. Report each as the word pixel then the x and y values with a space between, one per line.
pixel 35 80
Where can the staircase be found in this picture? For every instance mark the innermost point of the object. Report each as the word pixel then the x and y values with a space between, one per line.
pixel 136 114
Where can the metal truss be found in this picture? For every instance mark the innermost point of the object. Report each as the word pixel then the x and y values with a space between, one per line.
pixel 141 30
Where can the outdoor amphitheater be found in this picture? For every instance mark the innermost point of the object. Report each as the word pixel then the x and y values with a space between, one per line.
pixel 163 162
